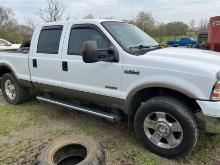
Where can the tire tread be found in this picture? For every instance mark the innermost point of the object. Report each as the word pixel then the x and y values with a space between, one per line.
pixel 21 92
pixel 183 109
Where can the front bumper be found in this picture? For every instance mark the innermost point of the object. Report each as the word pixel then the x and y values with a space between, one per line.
pixel 211 110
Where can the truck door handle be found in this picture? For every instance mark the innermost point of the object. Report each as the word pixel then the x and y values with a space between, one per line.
pixel 35 63
pixel 132 72
pixel 65 66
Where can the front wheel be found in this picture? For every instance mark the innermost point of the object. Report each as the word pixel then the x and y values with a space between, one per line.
pixel 12 91
pixel 166 126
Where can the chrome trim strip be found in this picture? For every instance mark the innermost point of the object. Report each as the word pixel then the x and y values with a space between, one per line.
pixel 110 117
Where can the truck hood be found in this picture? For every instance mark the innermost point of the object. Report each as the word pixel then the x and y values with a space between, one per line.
pixel 203 59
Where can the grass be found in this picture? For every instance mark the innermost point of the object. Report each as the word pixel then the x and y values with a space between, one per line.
pixel 207 151
pixel 12 151
pixel 120 144
pixel 15 118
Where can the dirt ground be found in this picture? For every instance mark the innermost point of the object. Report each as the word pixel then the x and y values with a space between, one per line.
pixel 27 128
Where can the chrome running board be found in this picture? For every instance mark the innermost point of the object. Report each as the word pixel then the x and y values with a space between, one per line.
pixel 107 116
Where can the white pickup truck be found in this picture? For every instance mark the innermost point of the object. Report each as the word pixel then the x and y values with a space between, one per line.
pixel 116 65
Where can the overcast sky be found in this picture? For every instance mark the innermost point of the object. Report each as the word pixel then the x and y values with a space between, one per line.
pixel 162 10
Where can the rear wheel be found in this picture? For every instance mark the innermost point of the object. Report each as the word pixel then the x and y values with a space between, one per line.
pixel 12 91
pixel 166 126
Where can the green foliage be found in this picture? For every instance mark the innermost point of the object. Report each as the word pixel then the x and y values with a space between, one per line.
pixel 146 22
pixel 176 28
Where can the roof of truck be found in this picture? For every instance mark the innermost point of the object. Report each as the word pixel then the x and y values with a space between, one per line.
pixel 80 21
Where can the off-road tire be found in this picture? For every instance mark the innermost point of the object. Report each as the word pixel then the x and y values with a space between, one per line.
pixel 95 152
pixel 184 115
pixel 21 92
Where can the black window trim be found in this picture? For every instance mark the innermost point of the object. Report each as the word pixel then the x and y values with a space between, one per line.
pixel 52 27
pixel 87 26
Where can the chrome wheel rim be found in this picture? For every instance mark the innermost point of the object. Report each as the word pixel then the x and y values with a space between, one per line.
pixel 10 89
pixel 163 130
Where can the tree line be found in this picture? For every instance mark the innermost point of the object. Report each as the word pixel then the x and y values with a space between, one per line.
pixel 146 22
pixel 54 11
pixel 10 29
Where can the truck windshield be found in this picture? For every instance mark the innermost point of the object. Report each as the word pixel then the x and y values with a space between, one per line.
pixel 132 39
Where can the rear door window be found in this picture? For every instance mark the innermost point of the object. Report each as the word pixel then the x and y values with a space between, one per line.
pixel 49 39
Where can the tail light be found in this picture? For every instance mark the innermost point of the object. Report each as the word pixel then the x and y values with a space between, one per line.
pixel 216 92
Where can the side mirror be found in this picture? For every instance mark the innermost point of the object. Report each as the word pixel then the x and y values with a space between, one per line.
pixel 24 50
pixel 89 52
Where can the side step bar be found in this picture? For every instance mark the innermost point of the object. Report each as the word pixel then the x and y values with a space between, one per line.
pixel 107 116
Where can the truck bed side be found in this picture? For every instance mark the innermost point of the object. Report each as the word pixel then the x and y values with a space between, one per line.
pixel 17 63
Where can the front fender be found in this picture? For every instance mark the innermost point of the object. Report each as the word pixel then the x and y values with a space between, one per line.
pixel 188 88
pixel 9 66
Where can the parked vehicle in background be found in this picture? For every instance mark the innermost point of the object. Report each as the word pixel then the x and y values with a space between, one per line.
pixel 214 34
pixel 202 40
pixel 116 65
pixel 182 42
pixel 6 45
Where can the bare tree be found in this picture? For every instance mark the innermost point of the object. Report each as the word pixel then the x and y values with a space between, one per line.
pixel 204 25
pixel 160 32
pixel 30 22
pixel 7 23
pixel 10 29
pixel 192 24
pixel 145 21
pixel 53 12
pixel 6 19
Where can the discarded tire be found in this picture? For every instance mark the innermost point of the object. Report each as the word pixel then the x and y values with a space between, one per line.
pixel 79 150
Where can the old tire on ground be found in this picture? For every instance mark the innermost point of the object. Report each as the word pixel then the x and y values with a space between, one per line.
pixel 79 150
pixel 12 91
pixel 166 126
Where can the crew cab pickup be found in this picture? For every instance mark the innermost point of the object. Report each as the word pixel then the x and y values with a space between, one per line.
pixel 122 70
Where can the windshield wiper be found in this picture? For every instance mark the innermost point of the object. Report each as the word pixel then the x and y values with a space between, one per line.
pixel 139 47
pixel 145 46
pixel 157 46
